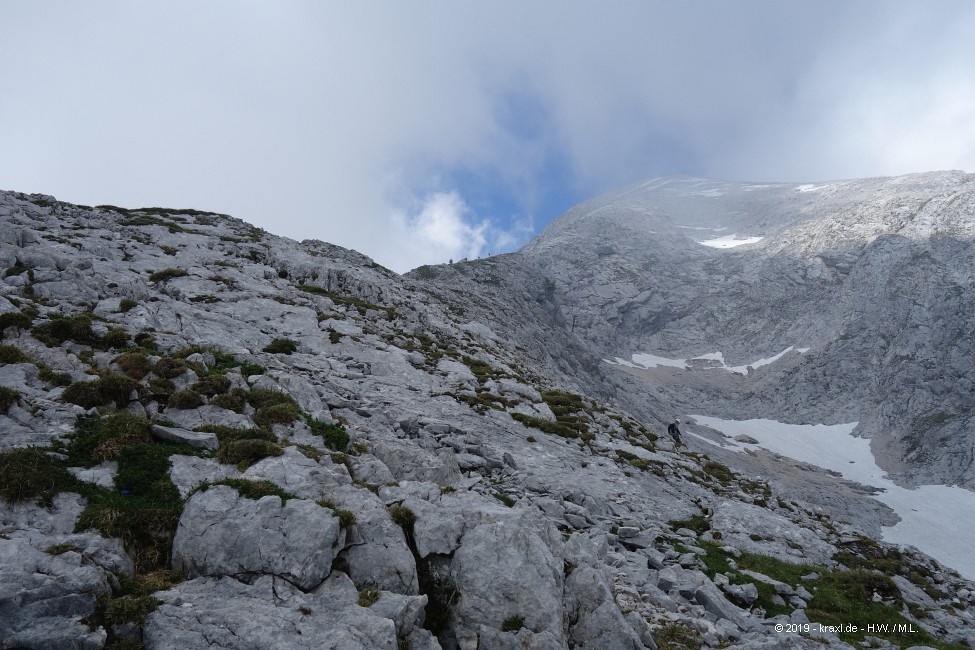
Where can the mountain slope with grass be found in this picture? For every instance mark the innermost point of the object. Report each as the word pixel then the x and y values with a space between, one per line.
pixel 215 437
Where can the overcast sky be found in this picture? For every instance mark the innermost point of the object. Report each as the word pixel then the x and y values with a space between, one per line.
pixel 421 131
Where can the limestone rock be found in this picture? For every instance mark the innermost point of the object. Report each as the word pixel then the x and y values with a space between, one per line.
pixel 375 555
pixel 221 533
pixel 184 437
pixel 502 571
pixel 407 462
pixel 741 523
pixel 270 613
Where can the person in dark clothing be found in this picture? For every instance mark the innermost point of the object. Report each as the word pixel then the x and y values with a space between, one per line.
pixel 674 431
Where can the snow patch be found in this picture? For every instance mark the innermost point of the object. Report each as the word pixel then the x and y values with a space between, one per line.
pixel 809 187
pixel 645 361
pixel 934 518
pixel 729 241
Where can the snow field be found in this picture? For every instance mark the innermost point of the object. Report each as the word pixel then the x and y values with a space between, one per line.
pixel 937 519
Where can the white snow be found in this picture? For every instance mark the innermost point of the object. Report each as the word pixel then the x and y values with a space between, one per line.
pixel 646 360
pixel 809 187
pixel 743 370
pixel 937 519
pixel 652 361
pixel 729 241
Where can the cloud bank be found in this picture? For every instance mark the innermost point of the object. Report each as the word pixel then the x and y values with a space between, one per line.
pixel 419 132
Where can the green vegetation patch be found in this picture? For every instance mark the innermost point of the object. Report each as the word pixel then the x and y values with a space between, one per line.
pixel 698 523
pixel 368 597
pixel 53 377
pixel 555 428
pixel 170 367
pixel 839 596
pixel 226 435
pixel 134 364
pixel 284 413
pixel 867 554
pixel 111 388
pixel 32 473
pixel 130 609
pixel 676 636
pixel 255 490
pixel 144 509
pixel 281 346
pixel 571 416
pixel 14 319
pixel 8 397
pixel 212 385
pixel 245 452
pixel 146 220
pixel 504 498
pixel 78 329
pixel 234 400
pixel 483 370
pixel 12 354
pixel 335 437
pixel 513 623
pixel 633 459
pixel 718 471
pixel 104 438
pixel 167 274
pixel 360 305
pixel 403 517
pixel 261 397
pixel 185 400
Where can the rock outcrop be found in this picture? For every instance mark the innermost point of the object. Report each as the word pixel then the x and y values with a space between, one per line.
pixel 214 437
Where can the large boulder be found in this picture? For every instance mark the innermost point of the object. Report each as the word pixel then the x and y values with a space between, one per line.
pixel 407 462
pixel 270 613
pixel 302 476
pixel 375 555
pixel 51 578
pixel 503 571
pixel 222 533
pixel 758 530
pixel 441 523
pixel 44 596
pixel 595 620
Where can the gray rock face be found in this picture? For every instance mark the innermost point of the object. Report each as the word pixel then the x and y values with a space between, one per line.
pixel 475 396
pixel 522 577
pixel 51 578
pixel 184 437
pixel 223 534
pixel 595 620
pixel 225 613
pixel 375 555
pixel 409 463
pixel 867 274
pixel 43 598
pixel 299 475
pixel 757 530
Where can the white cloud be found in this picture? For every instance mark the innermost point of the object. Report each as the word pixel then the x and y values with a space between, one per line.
pixel 324 120
pixel 440 230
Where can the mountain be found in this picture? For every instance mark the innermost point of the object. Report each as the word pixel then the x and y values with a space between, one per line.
pixel 870 278
pixel 215 437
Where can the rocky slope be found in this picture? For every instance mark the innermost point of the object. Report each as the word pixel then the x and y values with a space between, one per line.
pixel 871 278
pixel 214 437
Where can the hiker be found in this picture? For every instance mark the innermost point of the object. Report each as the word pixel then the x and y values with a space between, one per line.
pixel 674 431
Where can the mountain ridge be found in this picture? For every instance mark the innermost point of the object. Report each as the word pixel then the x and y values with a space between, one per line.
pixel 844 260
pixel 467 470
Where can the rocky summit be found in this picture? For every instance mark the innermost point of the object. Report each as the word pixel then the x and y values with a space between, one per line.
pixel 213 437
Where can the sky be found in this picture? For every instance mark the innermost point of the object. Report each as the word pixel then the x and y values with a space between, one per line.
pixel 419 132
